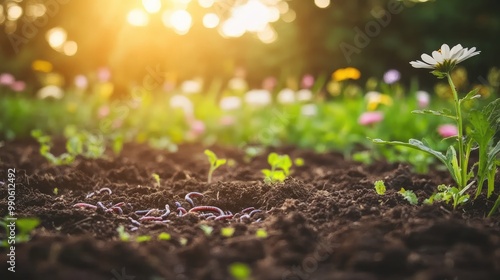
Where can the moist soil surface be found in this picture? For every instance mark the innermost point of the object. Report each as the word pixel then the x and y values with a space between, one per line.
pixel 324 222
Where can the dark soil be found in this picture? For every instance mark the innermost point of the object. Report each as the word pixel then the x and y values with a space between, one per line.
pixel 325 222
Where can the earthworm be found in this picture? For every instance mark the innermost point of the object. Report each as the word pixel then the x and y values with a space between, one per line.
pixel 134 222
pixel 254 212
pixel 150 218
pixel 85 205
pixel 102 206
pixel 182 211
pixel 142 212
pixel 150 211
pixel 134 228
pixel 115 209
pixel 223 217
pixel 211 218
pixel 188 197
pixel 246 216
pixel 206 215
pixel 119 204
pixel 104 189
pixel 167 211
pixel 207 208
pixel 247 209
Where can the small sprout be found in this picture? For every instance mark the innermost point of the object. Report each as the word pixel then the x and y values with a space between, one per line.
pixel 124 236
pixel 280 168
pixel 157 178
pixel 227 231
pixel 380 187
pixel 206 229
pixel 164 236
pixel 409 196
pixel 214 163
pixel 299 162
pixel 143 238
pixel 261 233
pixel 448 194
pixel 240 271
pixel 55 191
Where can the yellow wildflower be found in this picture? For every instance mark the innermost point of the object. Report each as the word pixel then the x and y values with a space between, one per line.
pixel 41 66
pixel 345 74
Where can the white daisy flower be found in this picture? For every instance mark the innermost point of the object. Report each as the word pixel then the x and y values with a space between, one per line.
pixel 445 59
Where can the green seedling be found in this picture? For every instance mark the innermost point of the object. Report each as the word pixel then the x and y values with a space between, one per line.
pixel 45 142
pixel 23 226
pixel 122 234
pixel 206 229
pixel 409 196
pixel 240 271
pixel 143 238
pixel 183 241
pixel 227 231
pixel 380 187
pixel 280 168
pixel 483 134
pixel 261 233
pixel 299 162
pixel 448 194
pixel 214 163
pixel 55 191
pixel 164 236
pixel 156 177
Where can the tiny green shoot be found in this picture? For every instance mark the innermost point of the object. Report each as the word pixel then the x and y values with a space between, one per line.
pixel 183 241
pixel 280 168
pixel 206 229
pixel 299 161
pixel 143 238
pixel 448 194
pixel 122 234
pixel 214 163
pixel 156 177
pixel 164 236
pixel 55 191
pixel 380 187
pixel 240 271
pixel 261 233
pixel 227 231
pixel 409 196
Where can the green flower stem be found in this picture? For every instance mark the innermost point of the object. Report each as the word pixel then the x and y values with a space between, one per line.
pixel 462 157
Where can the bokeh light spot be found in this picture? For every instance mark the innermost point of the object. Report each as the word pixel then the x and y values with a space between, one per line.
pixel 322 3
pixel 14 12
pixel 70 48
pixel 138 17
pixel 152 6
pixel 56 37
pixel 210 20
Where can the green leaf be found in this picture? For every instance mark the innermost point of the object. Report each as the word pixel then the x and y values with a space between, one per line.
pixel 299 161
pixel 26 225
pixel 122 234
pixel 219 162
pixel 435 113
pixel 409 196
pixel 261 233
pixel 471 95
pixel 380 187
pixel 212 158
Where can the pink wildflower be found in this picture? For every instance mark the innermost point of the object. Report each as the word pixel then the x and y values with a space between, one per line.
pixel 6 79
pixel 18 86
pixel 447 130
pixel 423 99
pixel 369 118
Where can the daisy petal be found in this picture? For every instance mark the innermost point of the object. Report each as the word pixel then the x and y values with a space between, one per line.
pixel 438 57
pixel 427 58
pixel 455 50
pixel 420 64
pixel 445 51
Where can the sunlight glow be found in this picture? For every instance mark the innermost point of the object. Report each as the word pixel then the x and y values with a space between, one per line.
pixel 268 35
pixel 56 37
pixel 210 20
pixel 232 28
pixel 322 3
pixel 14 12
pixel 181 21
pixel 253 15
pixel 36 10
pixel 152 6
pixel 138 17
pixel 70 48
pixel 206 3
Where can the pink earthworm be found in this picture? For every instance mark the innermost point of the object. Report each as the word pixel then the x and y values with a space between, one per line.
pixel 182 211
pixel 207 208
pixel 150 218
pixel 104 189
pixel 254 212
pixel 224 217
pixel 85 205
pixel 167 211
pixel 102 206
pixel 246 216
pixel 247 209
pixel 134 222
pixel 194 194
pixel 115 209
